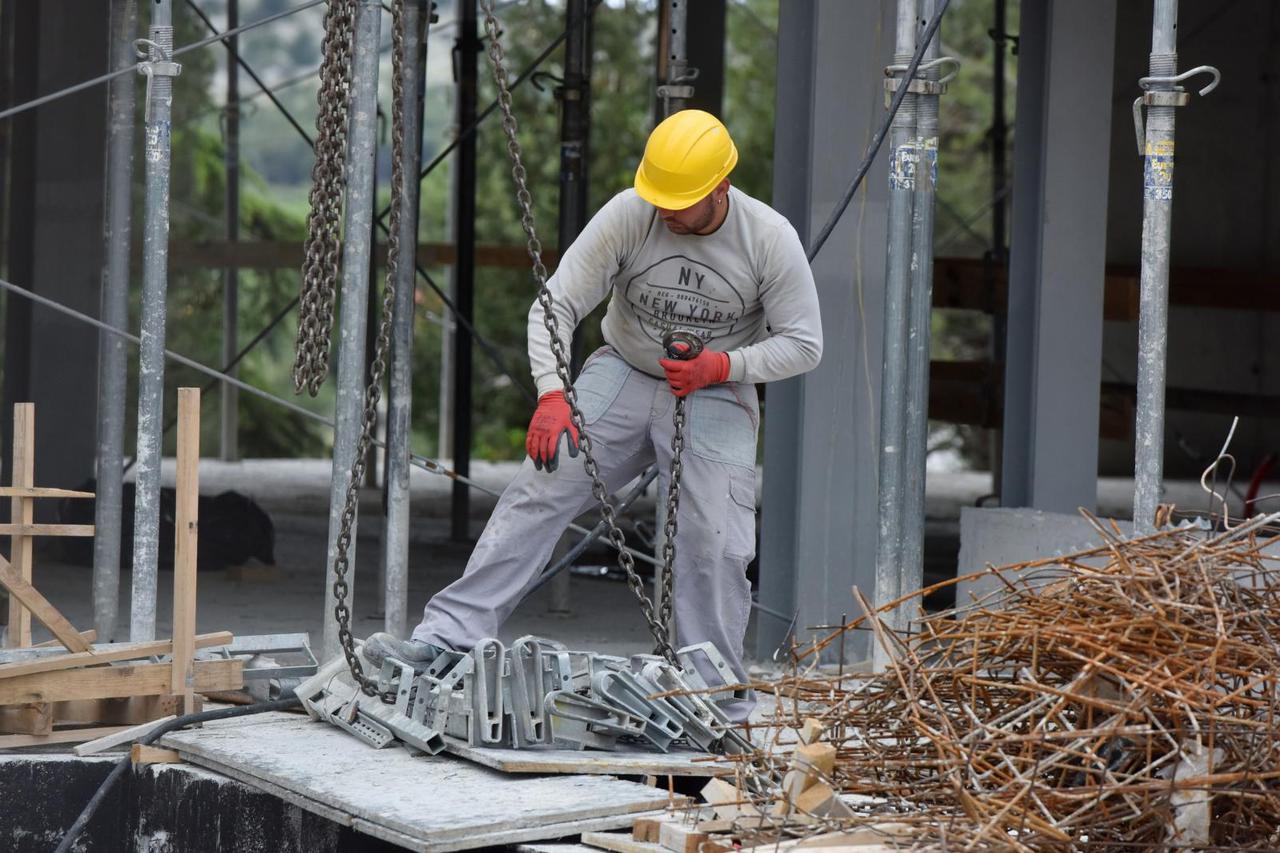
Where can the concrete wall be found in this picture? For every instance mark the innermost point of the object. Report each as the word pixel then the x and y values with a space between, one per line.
pixel 819 517
pixel 61 246
pixel 1225 205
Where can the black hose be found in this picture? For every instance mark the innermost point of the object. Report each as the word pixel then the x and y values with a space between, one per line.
pixel 878 139
pixel 113 777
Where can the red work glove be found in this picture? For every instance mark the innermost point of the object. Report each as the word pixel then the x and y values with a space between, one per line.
pixel 707 368
pixel 550 421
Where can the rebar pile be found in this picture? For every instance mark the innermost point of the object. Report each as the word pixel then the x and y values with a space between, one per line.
pixel 1119 698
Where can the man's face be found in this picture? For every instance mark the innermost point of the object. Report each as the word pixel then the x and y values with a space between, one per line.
pixel 692 220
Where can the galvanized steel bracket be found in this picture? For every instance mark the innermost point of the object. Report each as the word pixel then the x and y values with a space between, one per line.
pixel 1165 92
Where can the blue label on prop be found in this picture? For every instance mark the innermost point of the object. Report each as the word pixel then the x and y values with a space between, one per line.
pixel 1158 171
pixel 902 167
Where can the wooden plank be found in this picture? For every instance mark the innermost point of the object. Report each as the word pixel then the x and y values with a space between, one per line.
pixel 470 806
pixel 89 636
pixel 40 608
pixel 121 737
pixel 22 513
pixel 64 736
pixel 141 754
pixel 103 682
pixel 123 711
pixel 186 534
pixel 40 492
pixel 107 654
pixel 30 719
pixel 678 762
pixel 27 529
pixel 620 843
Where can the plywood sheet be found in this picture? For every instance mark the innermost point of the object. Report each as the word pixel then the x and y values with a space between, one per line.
pixel 621 763
pixel 439 804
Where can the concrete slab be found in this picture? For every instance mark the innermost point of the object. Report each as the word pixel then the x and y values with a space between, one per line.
pixel 1000 537
pixel 431 805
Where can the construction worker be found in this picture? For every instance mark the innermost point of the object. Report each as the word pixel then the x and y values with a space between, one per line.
pixel 682 250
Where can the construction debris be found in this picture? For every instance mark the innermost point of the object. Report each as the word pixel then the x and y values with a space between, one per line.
pixel 1125 696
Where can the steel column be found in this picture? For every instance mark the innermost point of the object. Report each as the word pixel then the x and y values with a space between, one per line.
pixel 575 130
pixel 674 74
pixel 228 446
pixel 112 355
pixel 356 251
pixel 1153 306
pixel 911 567
pixel 159 71
pixel 465 267
pixel 902 163
pixel 395 552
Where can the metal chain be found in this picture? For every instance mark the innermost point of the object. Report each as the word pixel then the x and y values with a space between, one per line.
pixel 323 248
pixel 669 527
pixel 497 61
pixel 373 393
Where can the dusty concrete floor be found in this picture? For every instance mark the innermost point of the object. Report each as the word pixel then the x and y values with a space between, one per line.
pixel 289 597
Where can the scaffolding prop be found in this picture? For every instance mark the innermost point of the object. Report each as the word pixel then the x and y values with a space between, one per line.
pixel 913 153
pixel 1162 96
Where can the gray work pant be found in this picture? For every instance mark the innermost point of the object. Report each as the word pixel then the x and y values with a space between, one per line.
pixel 628 417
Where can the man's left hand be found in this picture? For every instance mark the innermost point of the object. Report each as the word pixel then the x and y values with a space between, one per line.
pixel 707 368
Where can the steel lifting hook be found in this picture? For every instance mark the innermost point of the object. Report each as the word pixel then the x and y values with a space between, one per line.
pixel 1173 96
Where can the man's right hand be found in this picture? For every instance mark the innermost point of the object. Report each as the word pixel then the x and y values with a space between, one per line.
pixel 550 421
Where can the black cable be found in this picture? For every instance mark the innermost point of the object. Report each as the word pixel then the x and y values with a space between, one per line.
pixel 876 141
pixel 86 814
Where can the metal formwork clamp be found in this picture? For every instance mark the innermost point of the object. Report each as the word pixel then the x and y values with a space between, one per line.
pixel 525 687
pixel 625 691
pixel 445 716
pixel 484 685
pixel 584 722
pixel 704 724
pixel 161 66
pixel 715 678
pixel 920 85
pixel 1165 92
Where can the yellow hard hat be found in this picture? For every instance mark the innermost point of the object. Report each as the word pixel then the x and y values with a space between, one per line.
pixel 687 154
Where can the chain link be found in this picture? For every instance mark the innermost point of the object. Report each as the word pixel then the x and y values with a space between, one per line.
pixel 320 276
pixel 497 61
pixel 323 248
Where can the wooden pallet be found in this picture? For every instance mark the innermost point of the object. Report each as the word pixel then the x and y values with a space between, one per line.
pixel 66 698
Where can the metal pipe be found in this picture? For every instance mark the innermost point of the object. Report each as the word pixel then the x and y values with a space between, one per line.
pixel 675 89
pixel 413 61
pixel 673 93
pixel 356 250
pixel 160 69
pixel 902 162
pixel 228 446
pixel 465 268
pixel 998 258
pixel 574 95
pixel 113 357
pixel 911 567
pixel 1153 304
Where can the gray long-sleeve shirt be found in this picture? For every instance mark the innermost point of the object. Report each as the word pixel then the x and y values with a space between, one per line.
pixel 746 289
